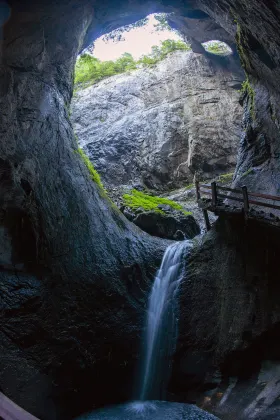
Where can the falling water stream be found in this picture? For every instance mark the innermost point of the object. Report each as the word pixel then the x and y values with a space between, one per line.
pixel 159 345
pixel 161 324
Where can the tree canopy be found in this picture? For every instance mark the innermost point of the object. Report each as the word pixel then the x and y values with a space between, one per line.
pixel 90 69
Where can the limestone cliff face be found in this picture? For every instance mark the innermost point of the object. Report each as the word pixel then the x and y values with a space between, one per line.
pixel 159 126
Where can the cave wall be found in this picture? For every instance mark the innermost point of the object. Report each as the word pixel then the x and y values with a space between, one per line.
pixel 230 322
pixel 252 30
pixel 67 255
pixel 64 265
pixel 157 127
pixel 255 26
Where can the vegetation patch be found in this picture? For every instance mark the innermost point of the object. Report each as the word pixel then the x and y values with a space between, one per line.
pixel 250 171
pixel 243 48
pixel 217 47
pixel 93 172
pixel 225 178
pixel 90 70
pixel 248 90
pixel 137 199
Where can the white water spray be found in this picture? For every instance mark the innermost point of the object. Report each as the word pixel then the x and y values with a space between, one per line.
pixel 161 327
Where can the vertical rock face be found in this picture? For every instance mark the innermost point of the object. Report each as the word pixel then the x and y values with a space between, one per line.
pixel 65 253
pixel 159 126
pixel 256 27
pixel 230 321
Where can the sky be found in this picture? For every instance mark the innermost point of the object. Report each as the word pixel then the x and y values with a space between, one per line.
pixel 138 41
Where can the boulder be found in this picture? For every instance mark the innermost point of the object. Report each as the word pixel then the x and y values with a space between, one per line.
pixel 175 226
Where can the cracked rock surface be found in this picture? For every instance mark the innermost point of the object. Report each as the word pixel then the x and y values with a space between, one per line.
pixel 158 126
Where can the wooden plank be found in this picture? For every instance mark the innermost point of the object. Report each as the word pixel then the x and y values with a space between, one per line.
pixel 229 197
pixel 205 192
pixel 229 189
pixel 206 219
pixel 267 197
pixel 214 194
pixel 197 189
pixel 257 203
pixel 261 204
pixel 245 201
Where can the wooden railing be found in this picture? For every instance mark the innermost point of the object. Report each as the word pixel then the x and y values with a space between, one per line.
pixel 241 195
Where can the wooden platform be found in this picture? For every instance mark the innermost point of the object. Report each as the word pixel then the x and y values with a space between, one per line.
pixel 218 199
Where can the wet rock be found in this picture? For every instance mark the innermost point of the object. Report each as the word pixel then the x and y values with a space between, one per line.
pixel 168 226
pixel 151 410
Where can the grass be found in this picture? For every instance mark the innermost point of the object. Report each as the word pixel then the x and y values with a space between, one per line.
pixel 137 199
pixel 92 171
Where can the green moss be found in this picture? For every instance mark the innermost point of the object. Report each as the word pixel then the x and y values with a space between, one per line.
pixel 137 199
pixel 93 172
pixel 240 48
pixel 76 138
pixel 248 90
pixel 189 187
pixel 224 178
pixel 250 171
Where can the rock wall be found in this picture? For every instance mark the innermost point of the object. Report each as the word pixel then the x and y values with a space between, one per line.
pixel 67 256
pixel 230 322
pixel 73 270
pixel 159 126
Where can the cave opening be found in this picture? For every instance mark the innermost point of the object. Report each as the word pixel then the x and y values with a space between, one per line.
pixel 151 114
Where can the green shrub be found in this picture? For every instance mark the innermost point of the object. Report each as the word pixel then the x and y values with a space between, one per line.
pixel 90 70
pixel 137 199
pixel 93 172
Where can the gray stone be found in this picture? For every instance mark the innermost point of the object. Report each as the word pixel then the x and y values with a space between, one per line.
pixel 167 225
pixel 158 126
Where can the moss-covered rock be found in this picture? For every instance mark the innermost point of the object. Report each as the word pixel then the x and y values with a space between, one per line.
pixel 139 200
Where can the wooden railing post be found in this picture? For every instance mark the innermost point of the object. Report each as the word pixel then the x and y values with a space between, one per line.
pixel 245 200
pixel 206 220
pixel 197 188
pixel 214 194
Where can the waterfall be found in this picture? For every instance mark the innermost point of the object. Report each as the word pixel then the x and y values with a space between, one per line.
pixel 161 324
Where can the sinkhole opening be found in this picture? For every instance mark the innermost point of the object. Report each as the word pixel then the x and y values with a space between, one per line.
pixel 151 114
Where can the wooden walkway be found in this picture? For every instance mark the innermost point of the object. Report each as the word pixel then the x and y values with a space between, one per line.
pixel 219 199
